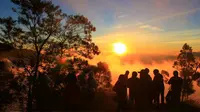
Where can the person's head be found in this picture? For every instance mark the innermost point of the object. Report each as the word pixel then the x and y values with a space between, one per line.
pixel 42 78
pixel 175 73
pixel 141 72
pixel 155 71
pixel 127 72
pixel 71 78
pixel 146 70
pixel 121 78
pixel 90 75
pixel 134 74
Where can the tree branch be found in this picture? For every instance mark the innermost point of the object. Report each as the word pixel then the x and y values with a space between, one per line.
pixel 41 47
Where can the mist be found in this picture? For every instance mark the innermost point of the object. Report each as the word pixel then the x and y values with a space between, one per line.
pixel 133 62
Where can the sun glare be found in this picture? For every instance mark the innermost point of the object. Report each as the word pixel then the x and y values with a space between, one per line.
pixel 119 48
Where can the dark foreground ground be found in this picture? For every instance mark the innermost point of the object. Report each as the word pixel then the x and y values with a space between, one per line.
pixel 107 104
pixel 104 102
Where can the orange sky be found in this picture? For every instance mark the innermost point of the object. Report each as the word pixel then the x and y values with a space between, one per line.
pixel 153 30
pixel 137 57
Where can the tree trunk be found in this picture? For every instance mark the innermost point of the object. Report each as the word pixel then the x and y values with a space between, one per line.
pixel 32 84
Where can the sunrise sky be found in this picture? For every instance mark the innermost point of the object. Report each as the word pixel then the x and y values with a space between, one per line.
pixel 152 30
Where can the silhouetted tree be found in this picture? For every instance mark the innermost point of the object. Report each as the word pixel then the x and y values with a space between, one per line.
pixel 186 65
pixel 43 28
pixel 103 75
pixel 196 75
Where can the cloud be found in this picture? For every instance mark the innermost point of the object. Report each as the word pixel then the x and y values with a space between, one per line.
pixel 121 26
pixel 174 15
pixel 122 16
pixel 163 18
pixel 154 28
pixel 139 23
pixel 147 59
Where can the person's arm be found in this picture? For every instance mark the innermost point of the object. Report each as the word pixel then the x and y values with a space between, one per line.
pixel 162 78
pixel 181 81
pixel 170 81
pixel 115 87
pixel 128 84
pixel 150 79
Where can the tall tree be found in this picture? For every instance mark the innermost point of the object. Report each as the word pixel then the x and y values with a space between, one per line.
pixel 186 64
pixel 103 75
pixel 43 28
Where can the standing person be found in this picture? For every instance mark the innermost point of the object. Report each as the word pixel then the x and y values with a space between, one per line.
pixel 121 90
pixel 72 93
pixel 42 92
pixel 158 87
pixel 147 74
pixel 126 75
pixel 149 84
pixel 143 91
pixel 92 85
pixel 176 84
pixel 133 85
pixel 126 80
pixel 169 96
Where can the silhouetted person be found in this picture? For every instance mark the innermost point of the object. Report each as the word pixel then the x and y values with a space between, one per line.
pixel 176 84
pixel 92 85
pixel 158 87
pixel 133 85
pixel 126 75
pixel 146 70
pixel 2 65
pixel 144 90
pixel 169 96
pixel 42 93
pixel 82 81
pixel 121 90
pixel 149 83
pixel 72 93
pixel 126 78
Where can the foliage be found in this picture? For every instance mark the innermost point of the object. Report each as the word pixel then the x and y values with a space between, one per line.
pixel 186 64
pixel 185 60
pixel 10 33
pixel 50 34
pixel 103 75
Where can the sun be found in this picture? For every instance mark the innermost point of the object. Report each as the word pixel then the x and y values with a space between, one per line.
pixel 119 48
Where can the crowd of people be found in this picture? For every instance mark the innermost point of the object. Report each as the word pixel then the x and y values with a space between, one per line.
pixel 145 92
pixel 77 92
